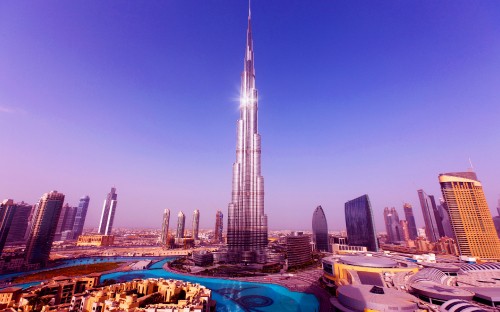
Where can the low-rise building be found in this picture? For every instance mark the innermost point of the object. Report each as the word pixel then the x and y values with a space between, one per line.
pixel 95 240
pixel 356 270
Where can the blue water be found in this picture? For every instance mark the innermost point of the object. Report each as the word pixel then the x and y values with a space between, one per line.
pixel 230 295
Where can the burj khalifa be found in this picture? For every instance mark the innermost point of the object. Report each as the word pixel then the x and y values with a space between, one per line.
pixel 247 223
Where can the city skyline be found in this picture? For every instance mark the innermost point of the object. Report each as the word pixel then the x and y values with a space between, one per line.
pixel 121 119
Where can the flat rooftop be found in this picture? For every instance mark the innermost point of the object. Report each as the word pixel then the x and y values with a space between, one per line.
pixel 371 262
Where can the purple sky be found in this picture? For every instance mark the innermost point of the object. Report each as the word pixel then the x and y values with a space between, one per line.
pixel 356 97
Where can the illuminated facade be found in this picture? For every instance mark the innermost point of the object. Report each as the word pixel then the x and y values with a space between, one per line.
pixel 43 228
pixel 95 240
pixel 470 216
pixel 108 213
pixel 320 230
pixel 359 223
pixel 247 222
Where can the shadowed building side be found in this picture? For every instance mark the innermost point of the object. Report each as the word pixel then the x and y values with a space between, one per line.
pixel 359 223
pixel 44 228
pixel 81 215
pixel 428 205
pixel 412 226
pixel 320 230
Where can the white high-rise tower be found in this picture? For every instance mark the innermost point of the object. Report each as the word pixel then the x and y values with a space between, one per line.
pixel 247 223
pixel 108 213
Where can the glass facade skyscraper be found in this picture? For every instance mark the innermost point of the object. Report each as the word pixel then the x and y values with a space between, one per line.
pixel 17 223
pixel 359 223
pixel 43 228
pixel 470 215
pixel 247 222
pixel 66 221
pixel 320 230
pixel 81 215
pixel 410 218
pixel 392 225
pixel 108 213
pixel 429 211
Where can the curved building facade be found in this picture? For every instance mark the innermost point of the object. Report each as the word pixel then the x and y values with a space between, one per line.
pixel 298 249
pixel 320 230
pixel 359 223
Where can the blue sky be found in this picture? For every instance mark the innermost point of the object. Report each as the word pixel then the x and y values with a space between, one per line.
pixel 356 97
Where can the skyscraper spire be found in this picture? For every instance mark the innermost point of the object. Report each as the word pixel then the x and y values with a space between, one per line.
pixel 247 222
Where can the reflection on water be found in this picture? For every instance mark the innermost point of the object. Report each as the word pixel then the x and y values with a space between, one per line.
pixel 230 295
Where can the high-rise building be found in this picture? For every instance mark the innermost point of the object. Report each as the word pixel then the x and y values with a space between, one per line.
pixel 445 219
pixel 164 227
pixel 181 223
pixel 19 223
pixel 44 228
pixel 392 225
pixel 496 220
pixel 405 233
pixel 470 216
pixel 80 216
pixel 196 223
pixel 66 221
pixel 320 230
pixel 108 213
pixel 359 223
pixel 429 209
pixel 247 222
pixel 7 209
pixel 219 226
pixel 298 249
pixel 412 226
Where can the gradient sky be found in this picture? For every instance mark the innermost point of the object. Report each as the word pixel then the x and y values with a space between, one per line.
pixel 356 97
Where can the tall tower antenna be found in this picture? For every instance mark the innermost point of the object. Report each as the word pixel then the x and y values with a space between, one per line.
pixel 471 166
pixel 247 230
